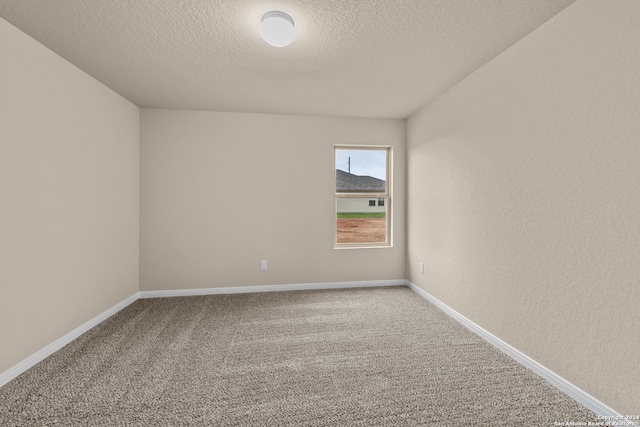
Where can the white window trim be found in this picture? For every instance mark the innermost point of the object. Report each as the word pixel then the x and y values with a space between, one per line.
pixel 386 195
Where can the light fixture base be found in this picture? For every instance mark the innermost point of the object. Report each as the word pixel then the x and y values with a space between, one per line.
pixel 278 14
pixel 277 28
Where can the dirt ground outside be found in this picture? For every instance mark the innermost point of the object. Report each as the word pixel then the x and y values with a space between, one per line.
pixel 361 230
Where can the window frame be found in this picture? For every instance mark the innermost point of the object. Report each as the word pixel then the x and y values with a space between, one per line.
pixel 387 194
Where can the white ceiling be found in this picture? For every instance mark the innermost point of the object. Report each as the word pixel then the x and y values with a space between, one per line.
pixel 358 58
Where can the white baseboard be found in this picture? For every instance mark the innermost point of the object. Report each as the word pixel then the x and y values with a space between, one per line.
pixel 30 361
pixel 556 380
pixel 271 288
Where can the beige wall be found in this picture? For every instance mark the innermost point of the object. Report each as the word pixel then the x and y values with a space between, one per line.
pixel 68 197
pixel 524 198
pixel 222 191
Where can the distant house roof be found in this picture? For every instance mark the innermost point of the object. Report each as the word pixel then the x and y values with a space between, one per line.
pixel 346 182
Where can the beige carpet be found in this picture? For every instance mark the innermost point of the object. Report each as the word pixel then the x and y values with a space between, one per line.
pixel 349 357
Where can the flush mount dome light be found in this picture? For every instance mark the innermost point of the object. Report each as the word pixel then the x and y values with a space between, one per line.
pixel 277 28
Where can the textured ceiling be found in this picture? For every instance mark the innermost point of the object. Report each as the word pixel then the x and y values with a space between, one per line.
pixel 359 58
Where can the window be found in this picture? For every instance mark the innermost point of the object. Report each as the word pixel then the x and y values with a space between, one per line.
pixel 362 196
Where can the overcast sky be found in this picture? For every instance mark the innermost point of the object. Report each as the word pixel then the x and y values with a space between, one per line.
pixel 363 162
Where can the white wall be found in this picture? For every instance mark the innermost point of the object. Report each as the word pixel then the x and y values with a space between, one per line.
pixel 69 164
pixel 222 191
pixel 524 198
pixel 358 205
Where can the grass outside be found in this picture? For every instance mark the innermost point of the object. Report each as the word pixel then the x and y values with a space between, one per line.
pixel 362 215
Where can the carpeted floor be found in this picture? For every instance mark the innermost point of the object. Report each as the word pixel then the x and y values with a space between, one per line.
pixel 347 357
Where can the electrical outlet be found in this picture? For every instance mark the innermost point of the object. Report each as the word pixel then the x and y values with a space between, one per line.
pixel 263 264
pixel 422 267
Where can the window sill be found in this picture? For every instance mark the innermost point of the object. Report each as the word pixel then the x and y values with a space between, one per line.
pixel 363 246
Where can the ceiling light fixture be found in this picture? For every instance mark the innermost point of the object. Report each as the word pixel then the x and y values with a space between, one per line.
pixel 276 28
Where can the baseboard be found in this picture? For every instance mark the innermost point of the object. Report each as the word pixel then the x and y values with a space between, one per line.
pixel 47 351
pixel 563 385
pixel 271 288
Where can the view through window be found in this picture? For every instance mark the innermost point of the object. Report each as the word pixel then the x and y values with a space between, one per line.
pixel 362 196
